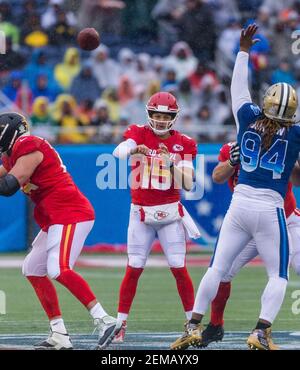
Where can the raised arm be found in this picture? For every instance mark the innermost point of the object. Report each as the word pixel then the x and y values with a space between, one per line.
pixel 240 93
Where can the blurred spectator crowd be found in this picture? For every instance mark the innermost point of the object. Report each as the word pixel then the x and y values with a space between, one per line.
pixel 186 47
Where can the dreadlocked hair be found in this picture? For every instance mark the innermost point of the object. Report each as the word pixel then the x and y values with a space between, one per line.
pixel 268 127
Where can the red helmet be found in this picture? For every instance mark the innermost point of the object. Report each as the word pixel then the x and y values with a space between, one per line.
pixel 162 102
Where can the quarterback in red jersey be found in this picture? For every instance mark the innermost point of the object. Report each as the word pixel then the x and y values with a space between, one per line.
pixel 161 160
pixel 65 216
pixel 228 170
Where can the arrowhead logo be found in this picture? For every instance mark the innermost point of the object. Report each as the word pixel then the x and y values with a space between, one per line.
pixel 177 148
pixel 160 215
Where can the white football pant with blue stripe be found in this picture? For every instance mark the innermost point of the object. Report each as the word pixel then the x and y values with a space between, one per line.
pixel 250 252
pixel 256 214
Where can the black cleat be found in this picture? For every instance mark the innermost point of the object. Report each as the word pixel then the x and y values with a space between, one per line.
pixel 212 333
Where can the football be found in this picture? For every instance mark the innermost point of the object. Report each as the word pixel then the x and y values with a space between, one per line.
pixel 88 39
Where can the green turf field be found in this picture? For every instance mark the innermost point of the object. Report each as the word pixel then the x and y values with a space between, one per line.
pixel 155 309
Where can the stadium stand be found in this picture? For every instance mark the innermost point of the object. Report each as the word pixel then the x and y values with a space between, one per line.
pixel 145 46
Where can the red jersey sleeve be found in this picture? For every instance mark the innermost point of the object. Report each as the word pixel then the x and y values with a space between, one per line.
pixel 135 133
pixel 224 154
pixel 25 145
pixel 190 146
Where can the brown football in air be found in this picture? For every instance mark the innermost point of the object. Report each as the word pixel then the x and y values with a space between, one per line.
pixel 88 39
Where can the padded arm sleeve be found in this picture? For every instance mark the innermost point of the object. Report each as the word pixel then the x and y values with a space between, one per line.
pixel 9 185
pixel 240 93
pixel 122 151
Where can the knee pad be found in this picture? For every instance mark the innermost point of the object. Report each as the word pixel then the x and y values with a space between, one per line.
pixel 227 278
pixel 53 273
pixel 137 249
pixel 53 268
pixel 137 260
pixel 234 269
pixel 25 266
pixel 222 273
pixel 232 272
pixel 176 260
pixel 29 268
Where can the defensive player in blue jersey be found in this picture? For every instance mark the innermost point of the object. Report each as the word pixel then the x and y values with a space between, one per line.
pixel 270 142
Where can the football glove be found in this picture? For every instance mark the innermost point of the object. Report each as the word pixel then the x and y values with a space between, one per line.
pixel 234 158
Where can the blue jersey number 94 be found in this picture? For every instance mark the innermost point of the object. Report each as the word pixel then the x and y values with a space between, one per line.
pixel 272 160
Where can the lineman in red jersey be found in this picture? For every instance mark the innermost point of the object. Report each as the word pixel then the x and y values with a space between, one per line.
pixel 162 161
pixel 228 170
pixel 65 217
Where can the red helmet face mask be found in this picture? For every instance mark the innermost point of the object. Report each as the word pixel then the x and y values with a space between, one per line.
pixel 165 103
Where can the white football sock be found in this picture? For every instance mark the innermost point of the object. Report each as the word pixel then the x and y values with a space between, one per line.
pixel 188 314
pixel 98 312
pixel 58 326
pixel 122 316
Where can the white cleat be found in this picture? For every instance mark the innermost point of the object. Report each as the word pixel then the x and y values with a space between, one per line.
pixel 55 341
pixel 108 328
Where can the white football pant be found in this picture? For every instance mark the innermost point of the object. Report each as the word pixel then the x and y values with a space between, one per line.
pixel 250 251
pixel 56 250
pixel 141 236
pixel 254 214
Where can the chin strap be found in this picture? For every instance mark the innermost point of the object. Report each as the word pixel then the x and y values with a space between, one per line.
pixel 160 132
